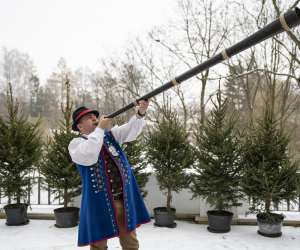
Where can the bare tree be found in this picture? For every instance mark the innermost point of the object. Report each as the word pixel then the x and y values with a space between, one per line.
pixel 280 7
pixel 125 77
pixel 275 67
pixel 96 86
pixel 19 70
pixel 84 81
pixel 58 78
pixel 11 69
pixel 198 35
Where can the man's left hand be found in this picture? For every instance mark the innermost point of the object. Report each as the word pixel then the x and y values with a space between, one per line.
pixel 143 105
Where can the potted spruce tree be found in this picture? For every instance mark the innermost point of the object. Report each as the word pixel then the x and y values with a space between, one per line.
pixel 217 177
pixel 170 154
pixel 58 170
pixel 20 148
pixel 269 175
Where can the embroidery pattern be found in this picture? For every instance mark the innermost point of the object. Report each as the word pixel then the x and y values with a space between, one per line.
pixel 124 172
pixel 101 184
pixel 110 207
pixel 98 181
pixel 107 194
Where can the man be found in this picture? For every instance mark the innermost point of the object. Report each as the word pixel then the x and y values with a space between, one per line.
pixel 111 204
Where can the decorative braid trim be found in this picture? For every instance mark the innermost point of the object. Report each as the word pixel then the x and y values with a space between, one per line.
pixel 283 23
pixel 135 102
pixel 224 54
pixel 174 81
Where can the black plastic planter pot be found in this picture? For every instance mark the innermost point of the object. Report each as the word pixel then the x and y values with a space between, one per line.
pixel 14 216
pixel 269 229
pixel 163 218
pixel 219 222
pixel 66 217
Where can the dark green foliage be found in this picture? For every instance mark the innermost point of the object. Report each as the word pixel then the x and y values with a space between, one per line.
pixel 218 152
pixel 20 149
pixel 134 152
pixel 135 155
pixel 236 92
pixel 58 169
pixel 170 153
pixel 269 174
pixel 37 94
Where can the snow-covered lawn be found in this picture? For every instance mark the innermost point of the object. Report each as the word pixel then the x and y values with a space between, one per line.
pixel 42 234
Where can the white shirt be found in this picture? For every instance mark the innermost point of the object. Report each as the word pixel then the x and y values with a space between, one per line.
pixel 86 152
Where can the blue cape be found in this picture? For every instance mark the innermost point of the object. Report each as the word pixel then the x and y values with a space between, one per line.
pixel 98 219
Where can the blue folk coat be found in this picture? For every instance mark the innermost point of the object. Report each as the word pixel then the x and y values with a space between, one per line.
pixel 98 218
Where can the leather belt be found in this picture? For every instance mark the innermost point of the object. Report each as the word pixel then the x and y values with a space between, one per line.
pixel 118 197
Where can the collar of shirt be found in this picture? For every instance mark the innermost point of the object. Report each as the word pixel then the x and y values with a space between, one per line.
pixel 86 136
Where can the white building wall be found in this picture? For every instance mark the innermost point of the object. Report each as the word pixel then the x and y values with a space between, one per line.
pixel 180 201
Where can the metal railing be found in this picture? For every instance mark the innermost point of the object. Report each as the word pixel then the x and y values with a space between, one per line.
pixel 38 192
pixel 286 207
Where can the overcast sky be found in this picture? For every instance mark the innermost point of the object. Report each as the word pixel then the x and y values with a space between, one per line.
pixel 75 30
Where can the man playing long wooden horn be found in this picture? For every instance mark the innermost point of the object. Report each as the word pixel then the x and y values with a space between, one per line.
pixel 111 204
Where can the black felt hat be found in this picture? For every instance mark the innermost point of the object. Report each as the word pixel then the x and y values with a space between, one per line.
pixel 78 113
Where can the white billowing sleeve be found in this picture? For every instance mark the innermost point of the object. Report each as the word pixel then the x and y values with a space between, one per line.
pixel 129 131
pixel 86 152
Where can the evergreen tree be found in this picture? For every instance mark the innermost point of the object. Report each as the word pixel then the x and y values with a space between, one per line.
pixel 234 90
pixel 218 152
pixel 58 169
pixel 36 100
pixel 269 173
pixel 170 153
pixel 242 90
pixel 20 148
pixel 135 154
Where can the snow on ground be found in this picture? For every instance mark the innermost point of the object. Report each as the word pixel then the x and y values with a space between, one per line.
pixel 42 234
pixel 43 209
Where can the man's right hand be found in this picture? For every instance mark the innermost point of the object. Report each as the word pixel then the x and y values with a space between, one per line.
pixel 104 122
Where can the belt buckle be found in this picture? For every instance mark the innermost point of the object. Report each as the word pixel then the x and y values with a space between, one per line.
pixel 117 197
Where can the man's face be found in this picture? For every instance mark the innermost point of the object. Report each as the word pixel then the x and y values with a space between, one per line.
pixel 87 123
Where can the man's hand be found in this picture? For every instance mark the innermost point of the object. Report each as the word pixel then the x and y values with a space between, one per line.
pixel 104 122
pixel 143 105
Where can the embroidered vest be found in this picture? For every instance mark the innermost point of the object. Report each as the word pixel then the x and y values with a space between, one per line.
pixel 115 179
